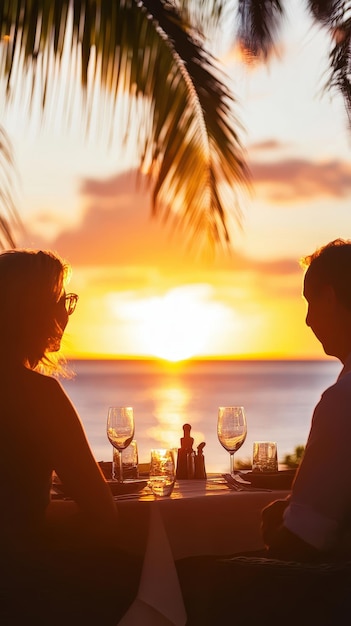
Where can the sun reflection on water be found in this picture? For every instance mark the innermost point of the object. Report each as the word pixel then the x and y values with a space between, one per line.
pixel 172 410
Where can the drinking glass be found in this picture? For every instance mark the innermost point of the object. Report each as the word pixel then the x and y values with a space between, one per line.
pixel 231 430
pixel 162 472
pixel 265 456
pixel 130 462
pixel 120 431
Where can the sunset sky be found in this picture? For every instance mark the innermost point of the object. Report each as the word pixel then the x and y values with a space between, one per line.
pixel 142 293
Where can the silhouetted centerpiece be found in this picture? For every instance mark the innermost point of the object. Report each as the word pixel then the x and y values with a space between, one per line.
pixel 189 464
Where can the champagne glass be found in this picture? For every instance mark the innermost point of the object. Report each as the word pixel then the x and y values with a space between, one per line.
pixel 231 430
pixel 120 431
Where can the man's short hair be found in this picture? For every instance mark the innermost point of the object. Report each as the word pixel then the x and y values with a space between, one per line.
pixel 331 265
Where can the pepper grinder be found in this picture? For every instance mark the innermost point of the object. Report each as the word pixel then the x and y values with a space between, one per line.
pixel 200 471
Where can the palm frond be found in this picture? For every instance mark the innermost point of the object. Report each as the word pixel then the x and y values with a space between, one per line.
pixel 335 17
pixel 340 65
pixel 187 133
pixel 203 15
pixel 202 151
pixel 259 21
pixel 9 218
pixel 327 11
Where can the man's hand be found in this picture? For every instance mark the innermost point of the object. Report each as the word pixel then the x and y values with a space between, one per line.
pixel 272 520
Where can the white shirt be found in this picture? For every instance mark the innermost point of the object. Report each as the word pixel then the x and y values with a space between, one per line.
pixel 319 511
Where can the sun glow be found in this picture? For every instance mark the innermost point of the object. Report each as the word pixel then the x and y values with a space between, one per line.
pixel 176 325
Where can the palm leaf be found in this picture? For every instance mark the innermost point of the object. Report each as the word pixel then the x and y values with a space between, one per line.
pixel 327 11
pixel 9 219
pixel 259 21
pixel 258 27
pixel 204 15
pixel 187 134
pixel 340 66
pixel 334 15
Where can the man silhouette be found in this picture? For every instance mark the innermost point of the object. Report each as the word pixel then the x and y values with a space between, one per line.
pixel 314 522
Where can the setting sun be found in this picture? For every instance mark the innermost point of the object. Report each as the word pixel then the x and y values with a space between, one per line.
pixel 173 326
pixel 176 325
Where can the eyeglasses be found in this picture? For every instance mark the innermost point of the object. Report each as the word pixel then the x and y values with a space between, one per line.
pixel 71 300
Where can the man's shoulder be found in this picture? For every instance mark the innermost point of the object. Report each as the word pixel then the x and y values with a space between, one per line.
pixel 340 390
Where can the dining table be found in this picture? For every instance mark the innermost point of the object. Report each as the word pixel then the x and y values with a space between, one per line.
pixel 200 517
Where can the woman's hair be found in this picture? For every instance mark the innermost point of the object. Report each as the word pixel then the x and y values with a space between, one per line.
pixel 31 284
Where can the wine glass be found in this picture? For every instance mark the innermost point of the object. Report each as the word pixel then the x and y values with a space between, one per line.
pixel 120 431
pixel 231 430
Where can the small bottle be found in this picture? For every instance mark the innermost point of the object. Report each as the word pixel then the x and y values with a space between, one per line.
pixel 200 471
pixel 190 464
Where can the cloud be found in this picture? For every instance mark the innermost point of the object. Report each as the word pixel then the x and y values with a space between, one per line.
pixel 118 235
pixel 294 180
pixel 268 144
pixel 118 185
pixel 117 227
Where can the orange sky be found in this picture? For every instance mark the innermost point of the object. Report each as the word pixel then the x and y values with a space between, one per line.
pixel 142 291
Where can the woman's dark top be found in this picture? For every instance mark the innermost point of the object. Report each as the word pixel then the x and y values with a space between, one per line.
pixel 40 431
pixel 26 460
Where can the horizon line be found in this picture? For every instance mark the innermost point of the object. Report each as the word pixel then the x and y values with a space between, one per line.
pixel 124 357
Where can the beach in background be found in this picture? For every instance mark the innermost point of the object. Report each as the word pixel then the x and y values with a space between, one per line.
pixel 278 396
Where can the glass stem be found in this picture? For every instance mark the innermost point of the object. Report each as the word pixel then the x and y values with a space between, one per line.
pixel 231 463
pixel 120 479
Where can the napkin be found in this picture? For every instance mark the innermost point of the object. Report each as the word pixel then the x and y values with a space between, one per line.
pixel 159 600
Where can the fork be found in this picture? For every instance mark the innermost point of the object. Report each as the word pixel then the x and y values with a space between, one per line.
pixel 128 496
pixel 238 486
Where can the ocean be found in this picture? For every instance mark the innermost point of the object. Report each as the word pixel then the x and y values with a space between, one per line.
pixel 278 397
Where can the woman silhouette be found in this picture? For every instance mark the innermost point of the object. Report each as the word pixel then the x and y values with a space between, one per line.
pixel 41 433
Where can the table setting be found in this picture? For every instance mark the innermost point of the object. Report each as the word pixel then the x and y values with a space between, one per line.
pixel 169 471
pixel 185 463
pixel 181 508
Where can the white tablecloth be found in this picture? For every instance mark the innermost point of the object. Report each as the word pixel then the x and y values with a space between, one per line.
pixel 200 517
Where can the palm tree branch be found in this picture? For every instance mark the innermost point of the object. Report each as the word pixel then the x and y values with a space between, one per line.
pixel 259 21
pixel 205 15
pixel 217 155
pixel 334 15
pixel 340 66
pixel 327 12
pixel 143 48
pixel 10 221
